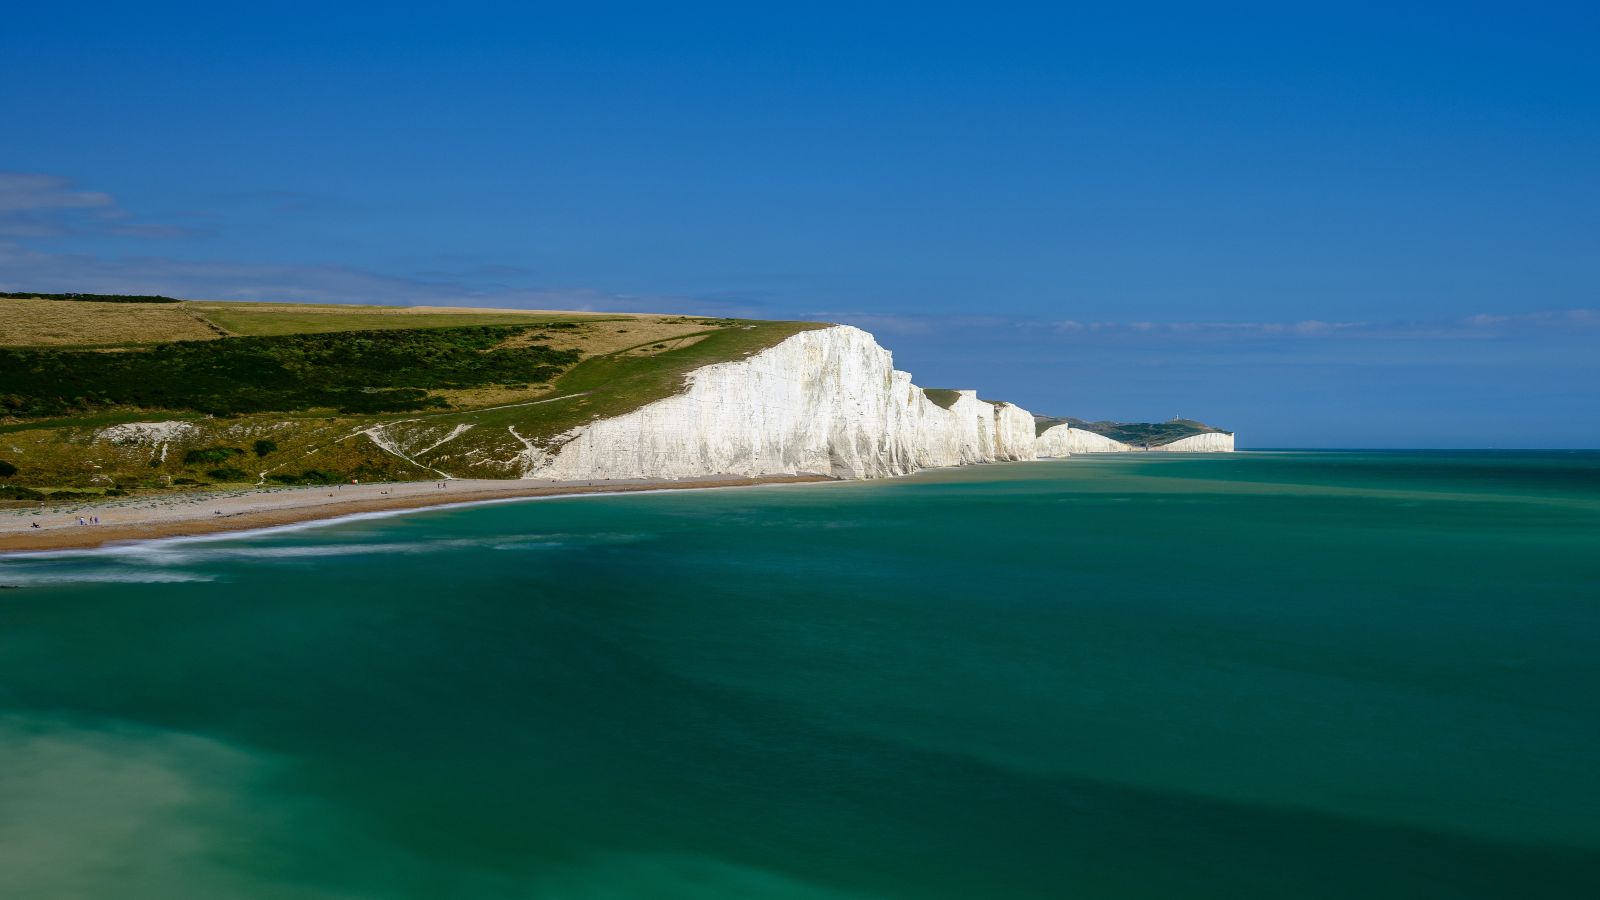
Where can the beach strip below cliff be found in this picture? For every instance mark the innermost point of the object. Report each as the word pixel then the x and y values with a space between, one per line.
pixel 186 515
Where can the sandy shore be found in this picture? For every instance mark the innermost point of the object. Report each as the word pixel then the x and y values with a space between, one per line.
pixel 181 515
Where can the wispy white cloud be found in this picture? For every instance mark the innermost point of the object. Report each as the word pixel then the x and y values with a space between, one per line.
pixel 1556 318
pixel 24 268
pixel 35 206
pixel 33 192
pixel 150 230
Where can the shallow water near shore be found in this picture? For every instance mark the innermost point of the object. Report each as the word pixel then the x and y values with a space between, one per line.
pixel 1298 674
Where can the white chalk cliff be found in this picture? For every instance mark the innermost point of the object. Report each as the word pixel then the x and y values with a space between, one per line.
pixel 1210 442
pixel 827 401
pixel 1064 440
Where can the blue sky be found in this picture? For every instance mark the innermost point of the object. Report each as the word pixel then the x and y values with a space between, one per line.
pixel 1319 224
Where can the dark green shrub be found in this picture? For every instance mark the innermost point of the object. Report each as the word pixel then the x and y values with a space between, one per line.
pixel 212 455
pixel 7 469
pixel 351 371
pixel 309 476
pixel 229 473
pixel 265 446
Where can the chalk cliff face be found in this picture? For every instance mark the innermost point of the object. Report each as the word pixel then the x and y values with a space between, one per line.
pixel 1064 440
pixel 1014 432
pixel 827 401
pixel 1211 442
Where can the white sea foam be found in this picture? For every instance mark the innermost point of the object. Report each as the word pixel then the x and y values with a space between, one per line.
pixel 163 562
pixel 527 545
pixel 179 556
pixel 26 578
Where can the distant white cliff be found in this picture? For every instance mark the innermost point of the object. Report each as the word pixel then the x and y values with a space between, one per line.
pixel 827 401
pixel 1064 440
pixel 1210 442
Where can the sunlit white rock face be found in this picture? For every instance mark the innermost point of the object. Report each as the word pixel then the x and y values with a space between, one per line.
pixel 1211 442
pixel 827 401
pixel 1064 440
pixel 1013 427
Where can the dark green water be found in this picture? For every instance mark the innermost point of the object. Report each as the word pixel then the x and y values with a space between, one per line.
pixel 1301 675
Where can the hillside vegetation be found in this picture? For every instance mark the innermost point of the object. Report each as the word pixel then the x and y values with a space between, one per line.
pixel 304 318
pixel 312 394
pixel 351 371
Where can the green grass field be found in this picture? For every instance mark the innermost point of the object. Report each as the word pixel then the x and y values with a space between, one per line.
pixel 89 323
pixel 267 319
pixel 466 388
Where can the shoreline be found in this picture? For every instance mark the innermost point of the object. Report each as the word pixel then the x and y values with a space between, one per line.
pixel 192 515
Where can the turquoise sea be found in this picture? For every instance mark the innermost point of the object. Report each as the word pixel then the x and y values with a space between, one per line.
pixel 1265 675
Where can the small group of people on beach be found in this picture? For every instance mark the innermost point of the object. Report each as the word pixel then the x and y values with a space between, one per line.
pixel 91 520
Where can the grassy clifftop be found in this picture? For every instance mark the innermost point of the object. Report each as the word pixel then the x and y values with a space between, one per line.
pixel 99 396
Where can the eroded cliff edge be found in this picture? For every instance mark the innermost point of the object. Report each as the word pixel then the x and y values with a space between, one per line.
pixel 821 399
pixel 826 402
pixel 1066 440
